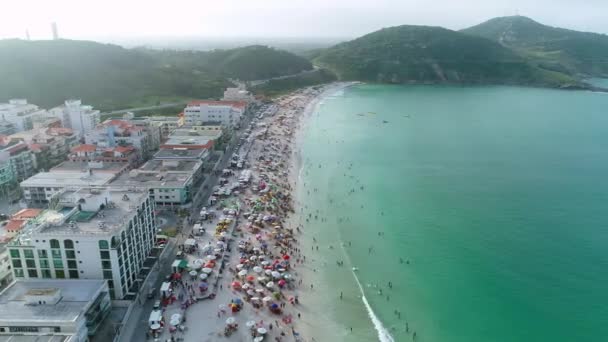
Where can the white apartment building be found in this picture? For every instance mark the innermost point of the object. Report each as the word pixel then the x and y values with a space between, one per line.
pixel 227 113
pixel 239 93
pixel 20 113
pixel 82 119
pixel 53 310
pixel 41 187
pixel 93 233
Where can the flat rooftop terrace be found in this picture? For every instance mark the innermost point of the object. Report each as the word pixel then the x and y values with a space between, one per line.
pixel 75 295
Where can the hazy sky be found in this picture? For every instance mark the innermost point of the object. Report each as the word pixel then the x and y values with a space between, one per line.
pixel 82 19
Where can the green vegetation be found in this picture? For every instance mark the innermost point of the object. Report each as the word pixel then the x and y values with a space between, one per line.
pixel 111 77
pixel 421 54
pixel 251 63
pixel 282 86
pixel 564 51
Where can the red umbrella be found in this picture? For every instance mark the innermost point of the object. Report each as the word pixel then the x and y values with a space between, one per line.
pixel 250 278
pixel 236 284
pixel 285 257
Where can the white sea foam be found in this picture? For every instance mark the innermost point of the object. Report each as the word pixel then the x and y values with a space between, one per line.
pixel 383 334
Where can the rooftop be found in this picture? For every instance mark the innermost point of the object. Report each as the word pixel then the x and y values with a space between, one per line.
pixel 67 179
pixel 179 153
pixel 87 211
pixel 154 179
pixel 75 297
pixel 95 167
pixel 236 104
pixel 189 140
pixel 171 165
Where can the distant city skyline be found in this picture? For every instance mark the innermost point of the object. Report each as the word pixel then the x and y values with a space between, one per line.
pixel 114 19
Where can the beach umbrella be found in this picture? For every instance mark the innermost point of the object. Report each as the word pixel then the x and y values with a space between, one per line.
pixel 203 276
pixel 285 257
pixel 245 286
pixel 267 299
pixel 270 285
pixel 156 326
pixel 198 262
pixel 250 278
pixel 282 282
pixel 258 339
pixel 262 279
pixel 250 292
pixel 207 270
pixel 268 272
pixel 276 274
pixel 242 273
pixel 250 324
pixel 230 320
pixel 265 263
pixel 261 331
pixel 217 250
pixel 259 290
pixel 239 266
pixel 236 284
pixel 203 285
pixel 258 269
pixel 274 305
pixel 253 258
pixel 255 299
pixel 176 317
pixel 211 257
pixel 193 273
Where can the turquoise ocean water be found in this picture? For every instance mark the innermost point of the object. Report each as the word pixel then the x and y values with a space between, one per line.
pixel 497 197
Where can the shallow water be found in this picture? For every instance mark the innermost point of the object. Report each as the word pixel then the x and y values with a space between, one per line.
pixel 496 196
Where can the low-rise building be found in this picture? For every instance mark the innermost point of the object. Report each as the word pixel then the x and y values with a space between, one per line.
pixel 95 153
pixel 170 182
pixel 20 113
pixel 167 124
pixel 90 233
pixel 50 146
pixel 20 157
pixel 8 181
pixel 114 133
pixel 188 141
pixel 239 93
pixel 53 309
pixel 228 113
pixel 73 114
pixel 40 188
pixel 6 128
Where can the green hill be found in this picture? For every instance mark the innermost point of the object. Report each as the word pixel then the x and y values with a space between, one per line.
pixel 421 54
pixel 572 52
pixel 111 77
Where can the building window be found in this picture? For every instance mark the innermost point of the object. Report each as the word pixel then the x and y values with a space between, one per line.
pixel 59 274
pixel 23 329
pixel 28 253
pixel 31 263
pixel 43 263
pixel 56 253
pixel 73 274
pixel 68 244
pixel 15 253
pixel 106 265
pixel 57 263
pixel 72 264
pixel 46 273
pixel 17 263
pixel 103 244
pixel 19 273
pixel 32 273
pixel 42 253
pixel 54 243
pixel 107 274
pixel 105 255
pixel 57 329
pixel 70 254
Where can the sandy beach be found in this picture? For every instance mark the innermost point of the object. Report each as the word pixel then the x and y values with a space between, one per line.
pixel 243 275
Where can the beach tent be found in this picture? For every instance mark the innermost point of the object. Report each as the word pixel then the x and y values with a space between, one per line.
pixel 165 289
pixel 190 242
pixel 155 318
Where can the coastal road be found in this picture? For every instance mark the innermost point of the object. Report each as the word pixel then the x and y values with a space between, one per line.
pixel 136 326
